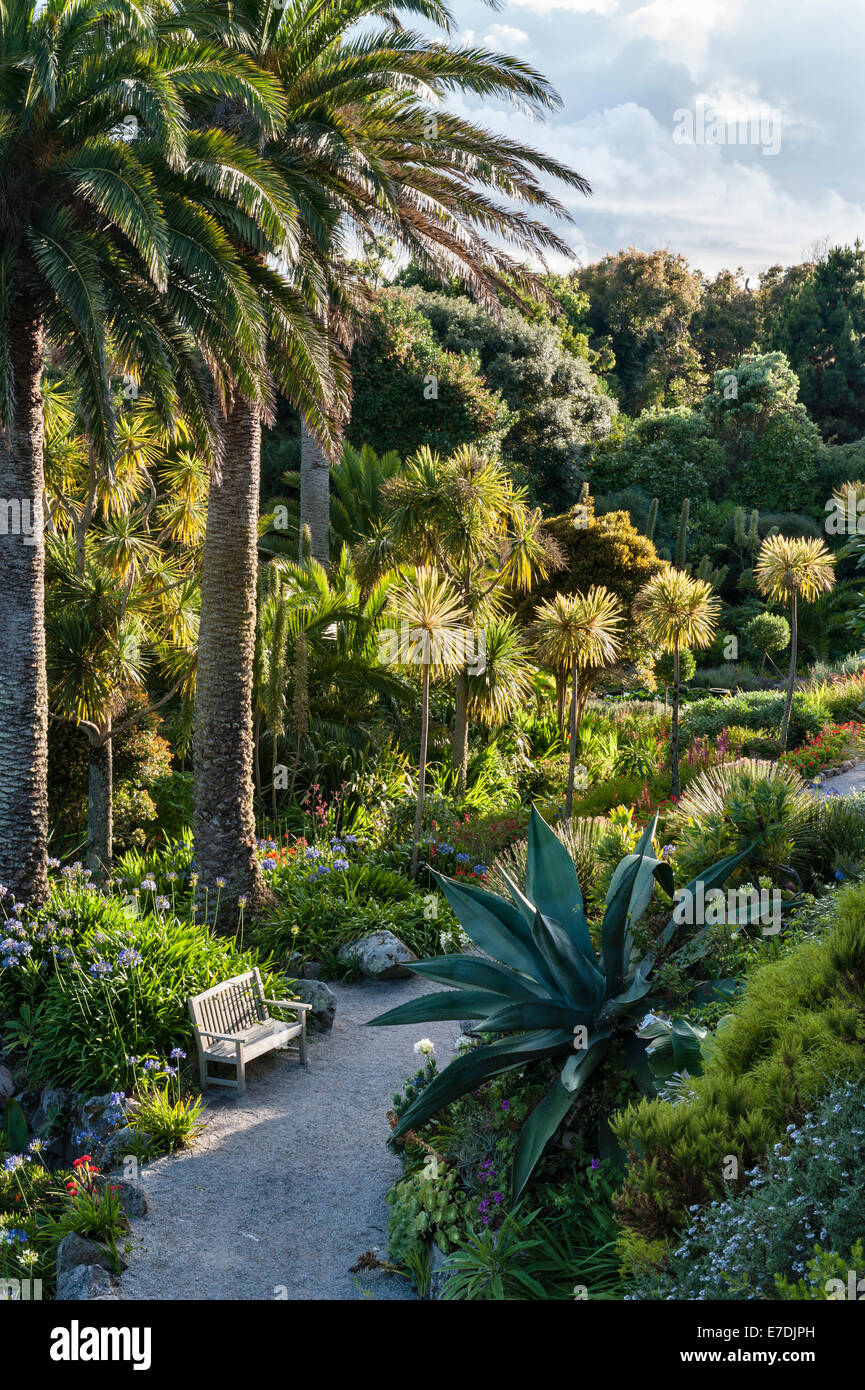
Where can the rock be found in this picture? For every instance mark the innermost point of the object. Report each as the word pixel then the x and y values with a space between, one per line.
pixel 439 1270
pixel 7 1085
pixel 83 1281
pixel 323 1001
pixel 379 956
pixel 76 1250
pixel 123 1142
pixel 52 1111
pixel 133 1197
pixel 311 970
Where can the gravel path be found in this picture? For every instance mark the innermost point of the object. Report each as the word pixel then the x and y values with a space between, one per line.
pixel 286 1186
pixel 845 784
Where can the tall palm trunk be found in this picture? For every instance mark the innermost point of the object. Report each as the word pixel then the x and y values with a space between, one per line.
pixel 23 683
pixel 100 802
pixel 791 679
pixel 572 756
pixel 674 726
pixel 421 775
pixel 224 820
pixel 314 495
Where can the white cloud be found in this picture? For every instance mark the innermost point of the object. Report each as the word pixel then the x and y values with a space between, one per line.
pixel 504 37
pixel 602 7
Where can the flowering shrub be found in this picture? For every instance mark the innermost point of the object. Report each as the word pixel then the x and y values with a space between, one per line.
pixel 823 750
pixel 104 980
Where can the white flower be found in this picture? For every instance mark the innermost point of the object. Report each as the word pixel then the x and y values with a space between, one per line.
pixel 463 1043
pixel 424 1048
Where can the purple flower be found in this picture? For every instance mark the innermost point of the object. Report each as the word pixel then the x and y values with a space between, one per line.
pixel 596 1163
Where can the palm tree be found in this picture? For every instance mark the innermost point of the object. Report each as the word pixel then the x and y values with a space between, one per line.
pixel 499 680
pixel 676 611
pixel 789 568
pixel 369 146
pixel 92 105
pixel 431 615
pixel 578 634
pixel 465 515
pixel 122 600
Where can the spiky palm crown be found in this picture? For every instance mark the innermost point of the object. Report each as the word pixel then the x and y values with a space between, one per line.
pixel 579 628
pixel 675 609
pixel 794 565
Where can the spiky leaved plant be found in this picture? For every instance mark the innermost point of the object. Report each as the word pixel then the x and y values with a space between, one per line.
pixel 540 985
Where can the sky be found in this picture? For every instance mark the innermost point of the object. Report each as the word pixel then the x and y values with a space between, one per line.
pixel 732 132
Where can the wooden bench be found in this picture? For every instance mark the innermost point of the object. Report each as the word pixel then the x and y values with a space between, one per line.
pixel 233 1025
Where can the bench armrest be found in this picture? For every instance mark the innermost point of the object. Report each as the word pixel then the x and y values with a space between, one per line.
pixel 287 1004
pixel 223 1037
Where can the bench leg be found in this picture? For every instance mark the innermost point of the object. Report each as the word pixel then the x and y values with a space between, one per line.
pixel 303 1036
pixel 202 1066
pixel 241 1069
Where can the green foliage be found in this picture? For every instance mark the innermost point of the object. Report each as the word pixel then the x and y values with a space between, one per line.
pixel 540 990
pixel 759 808
pixel 767 633
pixel 827 1276
pixel 673 454
pixel 755 710
pixel 427 1205
pixel 798 1023
pixel 664 672
pixel 804 1190
pixel 395 370
pixel 106 982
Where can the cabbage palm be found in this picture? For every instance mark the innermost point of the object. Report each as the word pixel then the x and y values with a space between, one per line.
pixel 577 634
pixel 465 515
pixel 433 621
pixel 676 611
pixel 789 568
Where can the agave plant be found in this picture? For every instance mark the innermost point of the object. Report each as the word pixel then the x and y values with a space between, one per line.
pixel 540 986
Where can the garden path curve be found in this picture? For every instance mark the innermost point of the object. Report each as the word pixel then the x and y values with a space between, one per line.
pixel 285 1188
pixel 845 784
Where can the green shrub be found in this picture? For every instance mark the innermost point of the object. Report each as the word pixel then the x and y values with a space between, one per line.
pixel 106 983
pixel 799 1023
pixel 838 845
pixel 807 1189
pixel 761 709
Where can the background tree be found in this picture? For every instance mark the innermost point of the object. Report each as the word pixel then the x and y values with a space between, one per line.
pixel 768 632
pixel 677 611
pixel 727 321
pixel 789 569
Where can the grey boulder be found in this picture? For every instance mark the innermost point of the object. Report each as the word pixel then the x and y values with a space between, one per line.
pixel 379 956
pixel 323 1001
pixel 84 1281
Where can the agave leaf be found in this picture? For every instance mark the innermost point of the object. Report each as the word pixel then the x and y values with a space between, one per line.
pixel 526 908
pixel 497 928
pixel 551 883
pixel 636 990
pixel 536 1133
pixel 578 1069
pixel 615 931
pixel 710 878
pixel 519 1017
pixel 580 980
pixel 638 1061
pixel 444 1003
pixel 479 973
pixel 467 1072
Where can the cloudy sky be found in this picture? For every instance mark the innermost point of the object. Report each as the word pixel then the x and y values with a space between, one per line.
pixel 651 89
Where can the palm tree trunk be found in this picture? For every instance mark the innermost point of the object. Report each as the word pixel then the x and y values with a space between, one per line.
pixel 224 818
pixel 791 679
pixel 561 697
pixel 315 494
pixel 100 802
pixel 23 683
pixel 572 756
pixel 421 775
pixel 674 726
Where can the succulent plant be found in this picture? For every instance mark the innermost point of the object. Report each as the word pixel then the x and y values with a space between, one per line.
pixel 540 984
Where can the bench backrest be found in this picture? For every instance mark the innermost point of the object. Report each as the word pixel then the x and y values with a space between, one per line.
pixel 232 1007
